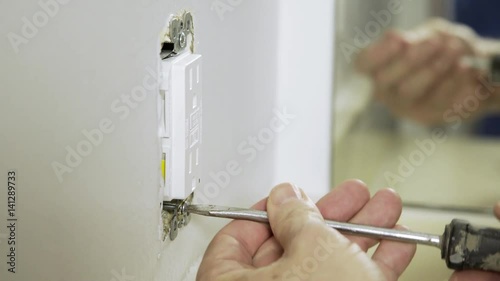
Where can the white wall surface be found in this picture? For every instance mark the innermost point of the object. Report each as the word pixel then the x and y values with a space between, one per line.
pixel 305 87
pixel 100 222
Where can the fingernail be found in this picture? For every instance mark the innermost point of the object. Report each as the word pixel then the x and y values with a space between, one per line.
pixel 392 190
pixel 403 227
pixel 284 193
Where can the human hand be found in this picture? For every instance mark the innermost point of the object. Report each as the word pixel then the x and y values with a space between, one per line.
pixel 297 245
pixel 418 74
pixel 472 275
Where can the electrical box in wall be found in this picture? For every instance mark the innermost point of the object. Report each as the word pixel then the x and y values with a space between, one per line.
pixel 181 124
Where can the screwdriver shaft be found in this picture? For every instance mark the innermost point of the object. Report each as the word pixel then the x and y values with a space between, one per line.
pixel 346 228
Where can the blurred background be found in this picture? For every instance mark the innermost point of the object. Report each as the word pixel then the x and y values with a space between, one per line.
pixel 370 143
pixel 458 177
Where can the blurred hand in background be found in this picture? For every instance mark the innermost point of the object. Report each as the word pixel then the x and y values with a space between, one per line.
pixel 418 74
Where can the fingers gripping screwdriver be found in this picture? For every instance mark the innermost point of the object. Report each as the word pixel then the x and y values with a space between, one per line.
pixel 463 246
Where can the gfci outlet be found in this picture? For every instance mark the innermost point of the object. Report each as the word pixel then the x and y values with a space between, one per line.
pixel 181 124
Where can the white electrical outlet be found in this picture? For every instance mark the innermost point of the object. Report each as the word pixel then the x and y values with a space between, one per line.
pixel 182 121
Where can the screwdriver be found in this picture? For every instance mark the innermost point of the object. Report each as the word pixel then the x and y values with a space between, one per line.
pixel 463 246
pixel 490 65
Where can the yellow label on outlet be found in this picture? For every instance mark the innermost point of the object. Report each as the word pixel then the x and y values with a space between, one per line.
pixel 163 168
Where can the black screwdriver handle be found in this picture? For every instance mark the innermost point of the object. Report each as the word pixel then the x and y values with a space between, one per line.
pixel 495 69
pixel 469 247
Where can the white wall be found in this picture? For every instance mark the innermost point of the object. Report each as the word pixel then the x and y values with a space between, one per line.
pixel 305 87
pixel 101 221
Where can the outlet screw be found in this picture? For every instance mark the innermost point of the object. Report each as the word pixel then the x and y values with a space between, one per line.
pixel 182 39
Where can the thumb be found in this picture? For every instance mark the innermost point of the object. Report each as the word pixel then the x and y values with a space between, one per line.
pixel 295 219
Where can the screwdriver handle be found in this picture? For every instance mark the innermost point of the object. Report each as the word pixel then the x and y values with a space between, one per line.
pixel 495 69
pixel 469 247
